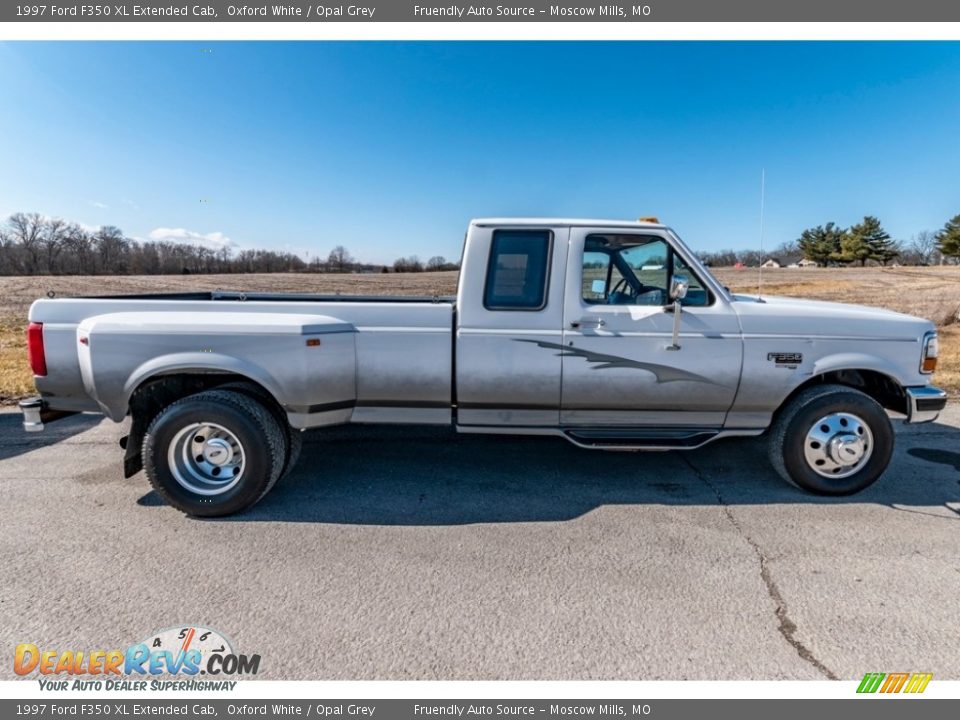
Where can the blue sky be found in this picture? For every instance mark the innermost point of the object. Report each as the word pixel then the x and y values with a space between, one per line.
pixel 390 148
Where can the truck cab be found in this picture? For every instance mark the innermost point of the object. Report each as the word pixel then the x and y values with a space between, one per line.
pixel 590 320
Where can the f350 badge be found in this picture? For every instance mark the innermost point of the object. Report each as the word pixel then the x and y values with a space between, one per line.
pixel 786 359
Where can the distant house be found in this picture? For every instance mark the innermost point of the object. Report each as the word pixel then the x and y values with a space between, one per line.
pixel 771 263
pixel 807 263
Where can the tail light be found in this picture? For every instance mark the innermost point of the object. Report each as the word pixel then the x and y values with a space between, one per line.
pixel 38 359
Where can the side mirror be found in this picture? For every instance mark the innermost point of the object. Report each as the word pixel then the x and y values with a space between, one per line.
pixel 598 287
pixel 678 287
pixel 678 291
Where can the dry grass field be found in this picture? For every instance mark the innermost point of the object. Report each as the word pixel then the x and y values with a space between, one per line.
pixel 932 293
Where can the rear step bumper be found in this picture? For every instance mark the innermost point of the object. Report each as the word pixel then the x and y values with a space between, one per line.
pixel 36 413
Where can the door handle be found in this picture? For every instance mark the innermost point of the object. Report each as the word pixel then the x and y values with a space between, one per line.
pixel 588 323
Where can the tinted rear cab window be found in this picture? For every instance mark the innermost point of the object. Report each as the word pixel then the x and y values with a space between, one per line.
pixel 517 271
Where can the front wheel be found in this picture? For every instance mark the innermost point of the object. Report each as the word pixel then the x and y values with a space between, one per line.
pixel 831 440
pixel 214 453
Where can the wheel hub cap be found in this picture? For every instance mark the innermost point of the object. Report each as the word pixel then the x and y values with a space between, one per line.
pixel 846 449
pixel 217 452
pixel 206 458
pixel 838 445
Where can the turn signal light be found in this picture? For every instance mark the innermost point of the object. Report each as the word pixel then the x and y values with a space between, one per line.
pixel 35 352
pixel 931 348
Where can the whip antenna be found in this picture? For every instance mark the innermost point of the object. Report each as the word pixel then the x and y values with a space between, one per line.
pixel 763 183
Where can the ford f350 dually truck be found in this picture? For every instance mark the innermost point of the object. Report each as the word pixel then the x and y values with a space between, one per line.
pixel 610 334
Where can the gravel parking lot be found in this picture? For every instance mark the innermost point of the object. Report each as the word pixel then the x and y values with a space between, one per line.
pixel 395 553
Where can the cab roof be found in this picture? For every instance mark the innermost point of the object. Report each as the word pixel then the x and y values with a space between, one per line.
pixel 564 222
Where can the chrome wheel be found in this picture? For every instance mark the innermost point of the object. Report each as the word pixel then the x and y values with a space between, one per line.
pixel 206 458
pixel 838 445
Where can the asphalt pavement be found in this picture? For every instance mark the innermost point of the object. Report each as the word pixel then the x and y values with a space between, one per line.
pixel 417 553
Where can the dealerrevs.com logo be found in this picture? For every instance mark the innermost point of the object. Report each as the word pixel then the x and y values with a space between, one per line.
pixel 170 659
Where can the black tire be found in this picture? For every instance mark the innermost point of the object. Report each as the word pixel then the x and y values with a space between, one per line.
pixel 294 448
pixel 789 435
pixel 294 436
pixel 261 443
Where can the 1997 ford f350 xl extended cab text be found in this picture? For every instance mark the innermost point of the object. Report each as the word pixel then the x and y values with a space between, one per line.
pixel 610 334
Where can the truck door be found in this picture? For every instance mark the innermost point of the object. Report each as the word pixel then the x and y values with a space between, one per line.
pixel 618 364
pixel 510 300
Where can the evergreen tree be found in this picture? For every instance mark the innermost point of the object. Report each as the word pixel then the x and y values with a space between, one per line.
pixel 948 239
pixel 876 241
pixel 867 240
pixel 853 248
pixel 821 243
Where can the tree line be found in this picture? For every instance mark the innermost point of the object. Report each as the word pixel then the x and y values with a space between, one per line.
pixel 866 241
pixel 31 244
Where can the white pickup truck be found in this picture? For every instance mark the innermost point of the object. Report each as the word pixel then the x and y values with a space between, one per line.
pixel 609 334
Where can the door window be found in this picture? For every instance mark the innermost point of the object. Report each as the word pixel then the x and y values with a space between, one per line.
pixel 517 271
pixel 634 270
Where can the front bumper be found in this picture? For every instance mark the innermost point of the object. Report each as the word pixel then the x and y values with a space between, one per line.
pixel 36 413
pixel 924 403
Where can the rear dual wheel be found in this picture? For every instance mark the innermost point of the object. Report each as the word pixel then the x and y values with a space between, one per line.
pixel 215 453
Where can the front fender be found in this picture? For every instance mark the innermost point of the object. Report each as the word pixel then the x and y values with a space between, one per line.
pixel 857 361
pixel 767 383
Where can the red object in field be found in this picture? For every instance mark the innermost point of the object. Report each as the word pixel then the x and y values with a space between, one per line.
pixel 38 359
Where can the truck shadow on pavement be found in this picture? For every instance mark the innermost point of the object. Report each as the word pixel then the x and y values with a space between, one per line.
pixel 16 441
pixel 422 476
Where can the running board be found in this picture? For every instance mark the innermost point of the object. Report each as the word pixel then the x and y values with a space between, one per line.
pixel 622 438
pixel 680 438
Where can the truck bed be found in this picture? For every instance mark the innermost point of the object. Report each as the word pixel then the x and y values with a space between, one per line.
pixel 394 364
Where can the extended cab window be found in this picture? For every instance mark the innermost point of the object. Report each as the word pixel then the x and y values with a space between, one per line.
pixel 517 272
pixel 634 270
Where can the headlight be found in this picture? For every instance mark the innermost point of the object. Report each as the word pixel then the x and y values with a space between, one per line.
pixel 928 358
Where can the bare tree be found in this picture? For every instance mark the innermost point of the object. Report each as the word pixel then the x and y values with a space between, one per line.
pixel 7 263
pixel 54 233
pixel 112 248
pixel 146 258
pixel 437 262
pixel 26 230
pixel 408 264
pixel 78 245
pixel 750 258
pixel 340 260
pixel 924 246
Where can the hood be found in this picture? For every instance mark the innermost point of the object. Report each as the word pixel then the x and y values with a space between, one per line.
pixel 812 318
